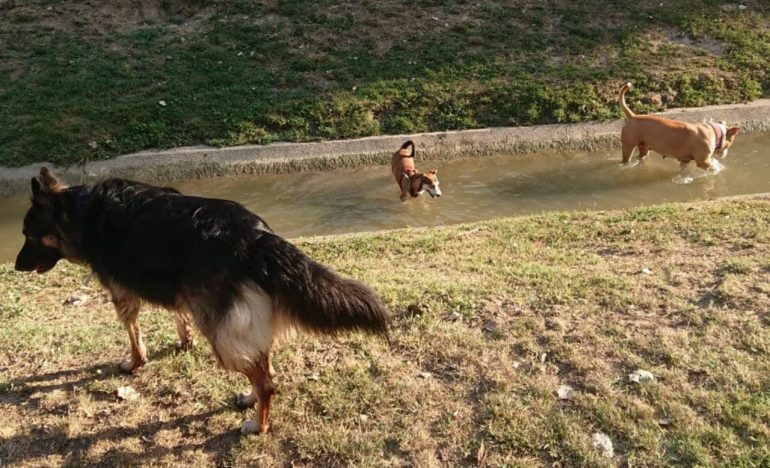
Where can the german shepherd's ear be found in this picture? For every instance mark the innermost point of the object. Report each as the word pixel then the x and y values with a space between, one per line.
pixel 44 185
pixel 50 183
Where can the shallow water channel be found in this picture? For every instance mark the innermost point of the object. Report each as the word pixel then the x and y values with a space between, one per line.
pixel 366 199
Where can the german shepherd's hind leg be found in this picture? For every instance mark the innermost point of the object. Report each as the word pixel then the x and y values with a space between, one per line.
pixel 249 399
pixel 262 391
pixel 184 330
pixel 242 341
pixel 127 306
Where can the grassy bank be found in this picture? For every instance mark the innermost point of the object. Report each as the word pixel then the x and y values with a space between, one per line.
pixel 90 80
pixel 491 319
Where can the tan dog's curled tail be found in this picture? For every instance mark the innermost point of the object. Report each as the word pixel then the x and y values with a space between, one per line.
pixel 406 145
pixel 622 100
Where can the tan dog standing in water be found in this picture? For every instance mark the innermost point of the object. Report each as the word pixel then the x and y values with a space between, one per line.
pixel 684 141
pixel 410 180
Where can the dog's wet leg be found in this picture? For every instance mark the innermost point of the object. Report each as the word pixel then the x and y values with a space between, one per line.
pixel 684 176
pixel 404 188
pixel 184 330
pixel 644 150
pixel 705 165
pixel 262 391
pixel 627 150
pixel 127 306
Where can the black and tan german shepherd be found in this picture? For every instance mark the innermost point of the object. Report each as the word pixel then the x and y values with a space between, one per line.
pixel 212 262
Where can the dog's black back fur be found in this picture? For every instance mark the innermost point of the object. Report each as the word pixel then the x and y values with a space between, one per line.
pixel 167 247
pixel 158 243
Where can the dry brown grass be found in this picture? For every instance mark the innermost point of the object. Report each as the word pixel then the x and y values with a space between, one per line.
pixel 540 301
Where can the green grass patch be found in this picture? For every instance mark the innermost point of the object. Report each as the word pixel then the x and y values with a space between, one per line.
pixel 84 82
pixel 499 316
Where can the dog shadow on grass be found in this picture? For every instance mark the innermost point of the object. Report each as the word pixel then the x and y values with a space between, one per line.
pixel 43 440
pixel 18 390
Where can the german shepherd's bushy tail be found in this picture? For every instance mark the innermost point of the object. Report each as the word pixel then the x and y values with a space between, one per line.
pixel 314 297
pixel 622 100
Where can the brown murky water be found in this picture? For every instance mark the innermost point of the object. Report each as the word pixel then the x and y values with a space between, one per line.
pixel 474 189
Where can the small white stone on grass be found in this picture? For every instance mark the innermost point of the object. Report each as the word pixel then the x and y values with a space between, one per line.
pixel 127 393
pixel 162 103
pixel 314 376
pixel 646 271
pixel 565 392
pixel 426 375
pixel 602 442
pixel 641 376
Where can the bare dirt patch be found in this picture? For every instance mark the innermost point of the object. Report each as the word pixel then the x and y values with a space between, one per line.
pixel 99 17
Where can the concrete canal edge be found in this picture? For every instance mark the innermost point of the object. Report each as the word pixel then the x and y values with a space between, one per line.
pixel 204 162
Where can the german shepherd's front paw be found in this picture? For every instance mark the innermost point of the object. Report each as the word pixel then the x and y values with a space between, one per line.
pixel 130 365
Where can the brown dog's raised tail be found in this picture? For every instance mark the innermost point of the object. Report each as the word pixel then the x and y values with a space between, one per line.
pixel 622 100
pixel 406 145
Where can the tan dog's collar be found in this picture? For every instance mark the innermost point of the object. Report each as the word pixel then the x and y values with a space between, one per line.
pixel 719 135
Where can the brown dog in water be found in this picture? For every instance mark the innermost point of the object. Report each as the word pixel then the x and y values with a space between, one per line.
pixel 410 180
pixel 684 141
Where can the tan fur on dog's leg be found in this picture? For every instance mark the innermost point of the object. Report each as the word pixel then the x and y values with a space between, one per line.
pixel 249 399
pixel 184 330
pixel 262 389
pixel 644 150
pixel 127 306
pixel 628 150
